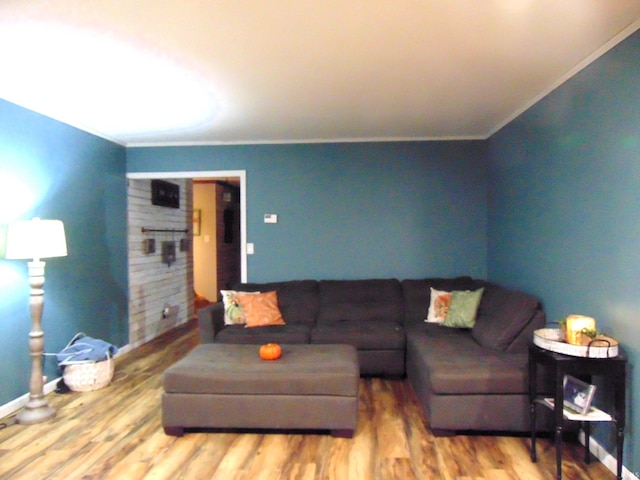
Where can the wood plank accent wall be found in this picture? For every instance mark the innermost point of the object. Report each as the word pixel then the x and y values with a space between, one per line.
pixel 153 285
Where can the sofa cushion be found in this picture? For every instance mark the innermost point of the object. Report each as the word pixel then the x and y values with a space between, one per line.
pixel 258 335
pixel 502 315
pixel 455 364
pixel 362 334
pixel 360 300
pixel 297 299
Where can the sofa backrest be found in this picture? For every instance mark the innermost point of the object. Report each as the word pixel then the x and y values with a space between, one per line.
pixel 506 318
pixel 505 321
pixel 360 300
pixel 297 299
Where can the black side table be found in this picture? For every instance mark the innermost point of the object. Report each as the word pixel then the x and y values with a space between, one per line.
pixel 559 364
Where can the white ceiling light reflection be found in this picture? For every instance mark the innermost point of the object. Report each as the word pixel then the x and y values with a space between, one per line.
pixel 17 198
pixel 122 91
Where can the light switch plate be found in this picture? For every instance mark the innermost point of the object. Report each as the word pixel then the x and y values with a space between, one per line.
pixel 250 249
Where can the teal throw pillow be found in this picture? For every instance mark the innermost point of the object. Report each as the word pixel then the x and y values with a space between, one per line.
pixel 463 309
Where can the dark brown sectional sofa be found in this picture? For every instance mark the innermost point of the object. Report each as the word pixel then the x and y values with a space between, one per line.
pixel 465 379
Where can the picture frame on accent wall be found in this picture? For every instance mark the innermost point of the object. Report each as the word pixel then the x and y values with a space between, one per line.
pixel 197 219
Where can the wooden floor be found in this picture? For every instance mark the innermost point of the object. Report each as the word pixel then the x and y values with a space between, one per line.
pixel 115 433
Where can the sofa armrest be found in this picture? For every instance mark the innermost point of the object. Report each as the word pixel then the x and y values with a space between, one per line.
pixel 210 321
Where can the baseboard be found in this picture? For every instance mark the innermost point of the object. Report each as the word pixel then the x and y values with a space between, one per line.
pixel 607 459
pixel 16 404
pixel 124 349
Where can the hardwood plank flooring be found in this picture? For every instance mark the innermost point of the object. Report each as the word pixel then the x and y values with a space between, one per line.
pixel 116 433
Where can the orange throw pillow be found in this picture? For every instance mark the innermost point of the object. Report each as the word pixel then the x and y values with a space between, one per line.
pixel 260 309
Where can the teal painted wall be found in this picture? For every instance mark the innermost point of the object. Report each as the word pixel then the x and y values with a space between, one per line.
pixel 51 170
pixel 352 210
pixel 564 208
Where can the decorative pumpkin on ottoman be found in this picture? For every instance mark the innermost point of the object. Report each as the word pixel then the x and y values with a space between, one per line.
pixel 270 351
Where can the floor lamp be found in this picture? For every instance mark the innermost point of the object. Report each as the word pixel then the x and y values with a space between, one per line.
pixel 36 239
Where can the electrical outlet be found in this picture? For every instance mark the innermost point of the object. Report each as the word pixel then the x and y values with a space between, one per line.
pixel 170 311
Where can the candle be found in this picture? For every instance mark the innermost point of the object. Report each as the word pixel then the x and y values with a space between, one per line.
pixel 575 325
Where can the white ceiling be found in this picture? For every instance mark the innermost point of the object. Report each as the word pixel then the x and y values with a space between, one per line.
pixel 157 72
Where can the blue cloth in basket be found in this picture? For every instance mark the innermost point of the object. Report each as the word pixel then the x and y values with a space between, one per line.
pixel 86 349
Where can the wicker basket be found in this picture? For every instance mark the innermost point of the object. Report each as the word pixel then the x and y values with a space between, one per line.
pixel 88 376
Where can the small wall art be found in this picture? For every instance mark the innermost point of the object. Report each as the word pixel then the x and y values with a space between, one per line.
pixel 168 252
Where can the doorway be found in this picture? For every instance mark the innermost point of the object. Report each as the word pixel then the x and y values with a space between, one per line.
pixel 147 303
pixel 216 237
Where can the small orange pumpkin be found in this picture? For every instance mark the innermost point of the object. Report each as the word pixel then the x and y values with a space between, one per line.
pixel 270 351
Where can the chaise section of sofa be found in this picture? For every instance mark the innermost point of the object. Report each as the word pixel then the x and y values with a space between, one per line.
pixel 477 378
pixel 464 386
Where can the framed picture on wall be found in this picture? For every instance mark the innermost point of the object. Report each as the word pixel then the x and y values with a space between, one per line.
pixel 197 217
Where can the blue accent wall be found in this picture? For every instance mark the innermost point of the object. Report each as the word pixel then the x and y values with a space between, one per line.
pixel 51 170
pixel 564 208
pixel 352 210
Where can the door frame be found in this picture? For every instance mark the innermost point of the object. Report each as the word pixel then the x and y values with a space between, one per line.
pixel 242 174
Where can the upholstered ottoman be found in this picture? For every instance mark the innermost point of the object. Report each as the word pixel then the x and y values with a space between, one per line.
pixel 230 386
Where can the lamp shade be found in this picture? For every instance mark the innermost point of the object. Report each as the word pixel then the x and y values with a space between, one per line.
pixel 35 239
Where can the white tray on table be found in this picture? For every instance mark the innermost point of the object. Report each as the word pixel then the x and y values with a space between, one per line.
pixel 553 339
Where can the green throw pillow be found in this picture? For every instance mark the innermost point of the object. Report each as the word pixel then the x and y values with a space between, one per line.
pixel 463 309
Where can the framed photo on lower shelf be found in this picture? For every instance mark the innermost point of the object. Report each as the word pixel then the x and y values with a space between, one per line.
pixel 577 394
